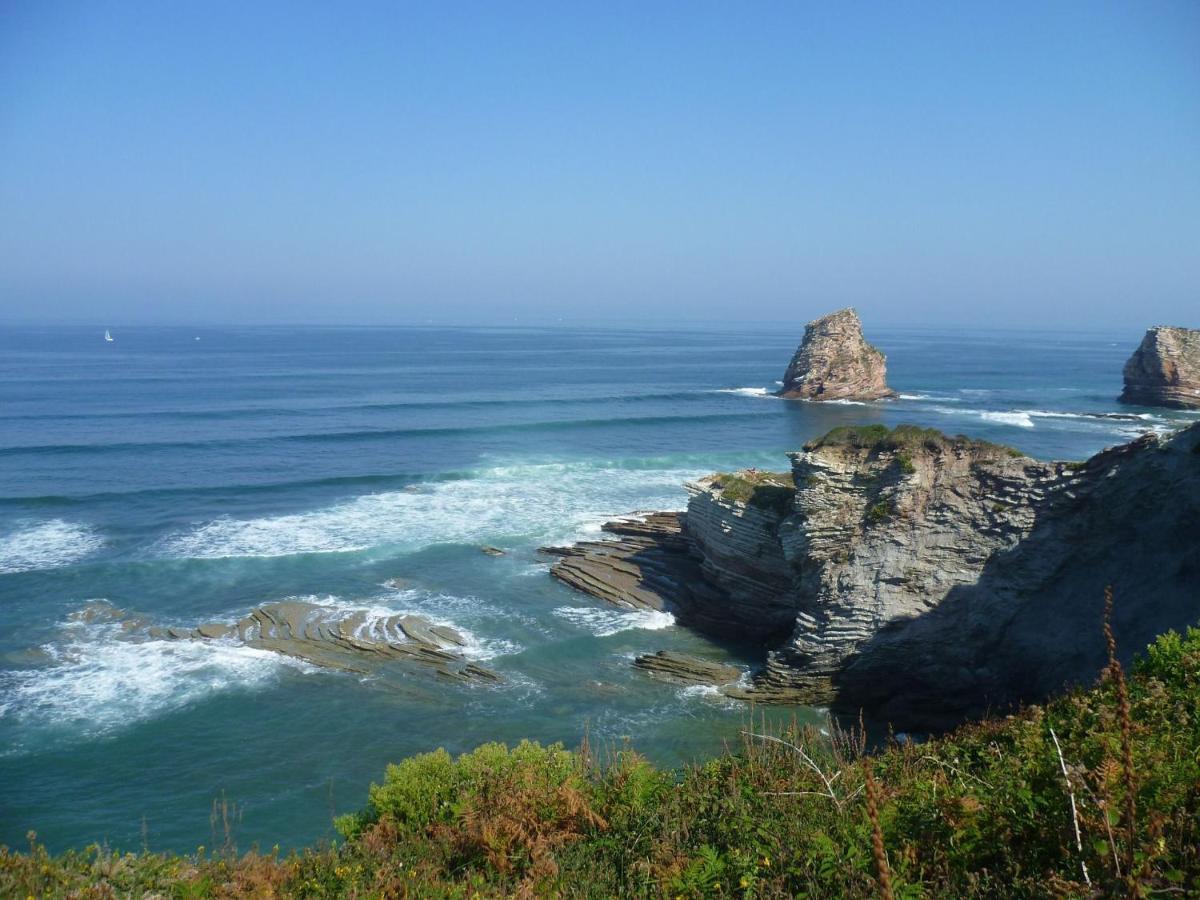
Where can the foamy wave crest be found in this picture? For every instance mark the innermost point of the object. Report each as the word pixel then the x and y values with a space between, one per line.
pixel 1015 417
pixel 99 680
pixel 549 502
pixel 747 392
pixel 940 398
pixel 47 545
pixel 607 622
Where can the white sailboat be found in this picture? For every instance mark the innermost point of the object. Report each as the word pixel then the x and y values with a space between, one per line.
pixel 108 336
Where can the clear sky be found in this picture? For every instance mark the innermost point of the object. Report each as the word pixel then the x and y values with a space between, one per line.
pixel 997 163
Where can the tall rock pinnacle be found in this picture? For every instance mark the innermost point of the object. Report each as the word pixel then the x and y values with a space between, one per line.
pixel 834 362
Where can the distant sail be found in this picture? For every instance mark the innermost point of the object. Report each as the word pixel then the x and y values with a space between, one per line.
pixel 108 337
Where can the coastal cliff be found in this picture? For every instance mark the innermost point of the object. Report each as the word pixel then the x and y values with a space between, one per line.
pixel 927 578
pixel 1165 369
pixel 835 362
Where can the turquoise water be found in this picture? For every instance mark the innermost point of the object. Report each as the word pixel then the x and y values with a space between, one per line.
pixel 189 480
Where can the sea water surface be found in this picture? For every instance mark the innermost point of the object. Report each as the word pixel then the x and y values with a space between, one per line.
pixel 187 476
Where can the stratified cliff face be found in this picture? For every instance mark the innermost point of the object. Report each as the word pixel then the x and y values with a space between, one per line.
pixel 834 362
pixel 938 578
pixel 921 578
pixel 1165 369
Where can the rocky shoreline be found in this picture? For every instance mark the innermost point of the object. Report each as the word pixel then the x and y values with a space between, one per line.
pixel 920 577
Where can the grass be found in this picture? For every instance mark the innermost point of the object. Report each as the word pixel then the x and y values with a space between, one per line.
pixel 1096 793
pixel 768 491
pixel 905 439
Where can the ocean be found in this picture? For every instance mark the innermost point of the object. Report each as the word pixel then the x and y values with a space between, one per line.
pixel 182 476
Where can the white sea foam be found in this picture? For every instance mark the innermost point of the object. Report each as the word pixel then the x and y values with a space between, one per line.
pixel 940 398
pixel 548 502
pixel 607 622
pixel 100 680
pixel 748 392
pixel 1013 417
pixel 46 545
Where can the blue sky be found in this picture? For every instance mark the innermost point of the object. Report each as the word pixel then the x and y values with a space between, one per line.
pixel 967 163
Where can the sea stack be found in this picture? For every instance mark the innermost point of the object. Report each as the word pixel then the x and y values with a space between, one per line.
pixel 1165 369
pixel 834 362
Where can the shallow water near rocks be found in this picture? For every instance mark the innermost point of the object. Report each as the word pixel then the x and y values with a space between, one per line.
pixel 181 482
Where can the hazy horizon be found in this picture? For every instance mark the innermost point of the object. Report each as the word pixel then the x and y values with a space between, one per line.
pixel 219 164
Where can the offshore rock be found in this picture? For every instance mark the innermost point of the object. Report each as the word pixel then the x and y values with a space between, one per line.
pixel 834 362
pixel 1165 369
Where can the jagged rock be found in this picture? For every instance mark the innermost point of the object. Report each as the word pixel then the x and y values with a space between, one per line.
pixel 690 669
pixel 1165 369
pixel 834 362
pixel 492 551
pixel 928 579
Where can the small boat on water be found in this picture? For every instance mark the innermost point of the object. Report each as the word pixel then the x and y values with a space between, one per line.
pixel 108 336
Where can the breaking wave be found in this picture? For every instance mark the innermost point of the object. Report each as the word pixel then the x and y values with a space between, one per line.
pixel 607 622
pixel 47 545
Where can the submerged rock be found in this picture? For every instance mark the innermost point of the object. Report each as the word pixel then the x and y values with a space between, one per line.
pixel 1165 369
pixel 834 362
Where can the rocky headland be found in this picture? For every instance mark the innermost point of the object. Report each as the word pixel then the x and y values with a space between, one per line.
pixel 835 362
pixel 920 577
pixel 1165 369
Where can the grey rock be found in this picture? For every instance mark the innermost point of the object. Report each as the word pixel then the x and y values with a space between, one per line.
pixel 926 579
pixel 689 669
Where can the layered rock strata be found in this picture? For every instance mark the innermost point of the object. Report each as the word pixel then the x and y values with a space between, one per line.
pixel 687 669
pixel 926 578
pixel 835 362
pixel 353 641
pixel 1165 369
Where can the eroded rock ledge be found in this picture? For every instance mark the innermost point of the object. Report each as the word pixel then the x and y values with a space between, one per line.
pixel 921 577
pixel 353 641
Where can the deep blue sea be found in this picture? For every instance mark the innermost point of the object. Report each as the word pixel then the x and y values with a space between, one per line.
pixel 186 476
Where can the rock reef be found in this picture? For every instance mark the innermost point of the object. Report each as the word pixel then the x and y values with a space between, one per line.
pixel 927 578
pixel 834 362
pixel 1165 369
pixel 352 641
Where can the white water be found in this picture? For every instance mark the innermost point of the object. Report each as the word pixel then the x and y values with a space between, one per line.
pixel 47 545
pixel 549 502
pixel 607 622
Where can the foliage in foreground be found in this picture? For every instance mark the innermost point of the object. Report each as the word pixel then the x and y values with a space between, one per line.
pixel 990 810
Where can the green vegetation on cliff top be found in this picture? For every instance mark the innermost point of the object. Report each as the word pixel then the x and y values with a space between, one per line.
pixel 1038 804
pixel 902 437
pixel 770 491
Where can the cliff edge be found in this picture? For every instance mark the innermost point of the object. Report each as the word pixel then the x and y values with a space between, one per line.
pixel 927 579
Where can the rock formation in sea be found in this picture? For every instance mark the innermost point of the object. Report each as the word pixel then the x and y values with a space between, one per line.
pixel 926 578
pixel 1165 369
pixel 350 640
pixel 834 362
